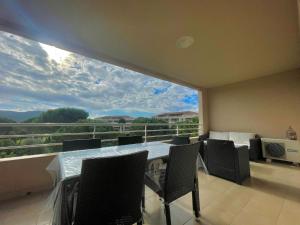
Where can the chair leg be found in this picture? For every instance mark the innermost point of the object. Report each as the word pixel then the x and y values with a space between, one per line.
pixel 168 214
pixel 196 201
pixel 143 199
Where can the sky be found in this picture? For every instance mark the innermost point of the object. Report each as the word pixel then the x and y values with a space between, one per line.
pixel 35 76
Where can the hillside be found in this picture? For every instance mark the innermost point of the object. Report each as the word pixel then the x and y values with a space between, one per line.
pixel 19 116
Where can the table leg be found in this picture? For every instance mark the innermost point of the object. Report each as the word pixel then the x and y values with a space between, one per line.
pixel 196 201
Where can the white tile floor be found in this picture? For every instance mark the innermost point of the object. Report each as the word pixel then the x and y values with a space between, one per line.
pixel 270 197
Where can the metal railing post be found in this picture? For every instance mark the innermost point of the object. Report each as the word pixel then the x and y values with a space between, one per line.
pixel 177 130
pixel 145 133
pixel 94 131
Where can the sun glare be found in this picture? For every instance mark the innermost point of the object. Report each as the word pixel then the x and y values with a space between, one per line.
pixel 56 54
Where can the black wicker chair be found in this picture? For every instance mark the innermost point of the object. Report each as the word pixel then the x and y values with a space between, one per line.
pixel 81 144
pixel 178 179
pixel 255 150
pixel 180 140
pixel 110 194
pixel 127 140
pixel 226 161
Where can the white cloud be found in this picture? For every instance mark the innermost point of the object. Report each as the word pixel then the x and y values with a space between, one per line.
pixel 31 79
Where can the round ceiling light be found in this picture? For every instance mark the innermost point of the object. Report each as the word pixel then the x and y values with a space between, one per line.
pixel 184 42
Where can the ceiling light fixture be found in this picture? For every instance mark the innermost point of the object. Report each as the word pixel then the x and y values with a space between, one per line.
pixel 184 42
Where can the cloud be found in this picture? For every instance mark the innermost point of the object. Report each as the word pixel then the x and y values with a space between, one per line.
pixel 30 80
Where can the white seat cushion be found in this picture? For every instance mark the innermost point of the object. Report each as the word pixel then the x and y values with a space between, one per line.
pixel 240 145
pixel 240 138
pixel 219 135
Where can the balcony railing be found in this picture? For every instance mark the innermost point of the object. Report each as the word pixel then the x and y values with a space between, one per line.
pixel 15 138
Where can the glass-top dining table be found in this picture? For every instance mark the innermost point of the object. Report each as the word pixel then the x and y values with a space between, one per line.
pixel 65 171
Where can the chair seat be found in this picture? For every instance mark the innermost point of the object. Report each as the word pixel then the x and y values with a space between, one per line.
pixel 156 181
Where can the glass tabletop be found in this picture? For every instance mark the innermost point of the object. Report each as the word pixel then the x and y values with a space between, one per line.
pixel 70 162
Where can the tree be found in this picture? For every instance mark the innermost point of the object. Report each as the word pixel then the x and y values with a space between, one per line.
pixel 162 125
pixel 6 130
pixel 189 126
pixel 122 120
pixel 61 115
pixel 6 120
pixel 148 120
pixel 7 153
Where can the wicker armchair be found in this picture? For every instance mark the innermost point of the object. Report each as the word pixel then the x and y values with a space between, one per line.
pixel 226 161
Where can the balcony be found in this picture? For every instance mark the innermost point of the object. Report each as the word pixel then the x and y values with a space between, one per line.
pixel 242 58
pixel 270 197
pixel 36 150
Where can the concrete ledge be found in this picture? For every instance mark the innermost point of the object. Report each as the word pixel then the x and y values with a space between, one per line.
pixel 22 175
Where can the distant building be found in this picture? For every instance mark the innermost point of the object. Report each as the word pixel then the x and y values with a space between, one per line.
pixel 115 119
pixel 173 117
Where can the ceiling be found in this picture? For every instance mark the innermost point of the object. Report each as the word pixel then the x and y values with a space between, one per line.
pixel 233 40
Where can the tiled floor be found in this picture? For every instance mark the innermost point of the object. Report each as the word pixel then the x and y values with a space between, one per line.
pixel 270 197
